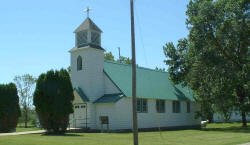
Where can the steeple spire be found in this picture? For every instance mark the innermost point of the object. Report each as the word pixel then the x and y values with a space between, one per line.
pixel 87 11
pixel 88 34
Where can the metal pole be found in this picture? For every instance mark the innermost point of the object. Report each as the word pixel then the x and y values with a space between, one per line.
pixel 135 128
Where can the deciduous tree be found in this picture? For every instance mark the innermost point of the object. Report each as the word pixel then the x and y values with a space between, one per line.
pixel 122 59
pixel 25 86
pixel 109 56
pixel 214 60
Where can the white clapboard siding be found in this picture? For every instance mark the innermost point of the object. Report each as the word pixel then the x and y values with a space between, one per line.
pixel 120 115
pixel 91 78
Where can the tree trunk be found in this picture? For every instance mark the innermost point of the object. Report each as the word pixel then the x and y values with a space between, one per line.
pixel 244 120
pixel 242 96
pixel 26 116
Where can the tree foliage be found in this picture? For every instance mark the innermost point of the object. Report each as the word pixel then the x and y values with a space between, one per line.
pixel 53 100
pixel 122 59
pixel 109 56
pixel 160 69
pixel 214 60
pixel 25 86
pixel 9 107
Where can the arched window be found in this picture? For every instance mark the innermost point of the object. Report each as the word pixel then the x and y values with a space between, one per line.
pixel 79 63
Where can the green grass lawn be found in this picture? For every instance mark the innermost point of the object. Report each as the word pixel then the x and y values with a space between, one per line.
pixel 213 134
pixel 22 129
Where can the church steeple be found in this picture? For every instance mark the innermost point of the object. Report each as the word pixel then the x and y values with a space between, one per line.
pixel 87 60
pixel 88 24
pixel 88 33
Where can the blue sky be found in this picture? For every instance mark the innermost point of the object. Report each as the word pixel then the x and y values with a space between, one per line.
pixel 35 36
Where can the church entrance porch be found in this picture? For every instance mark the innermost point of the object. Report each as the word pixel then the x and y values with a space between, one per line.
pixel 79 119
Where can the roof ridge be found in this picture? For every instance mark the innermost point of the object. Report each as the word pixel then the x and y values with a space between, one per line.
pixel 140 67
pixel 152 69
pixel 113 94
pixel 110 61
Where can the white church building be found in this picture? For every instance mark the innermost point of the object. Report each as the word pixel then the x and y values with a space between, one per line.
pixel 103 90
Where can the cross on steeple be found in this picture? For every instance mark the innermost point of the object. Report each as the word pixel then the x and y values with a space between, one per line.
pixel 87 11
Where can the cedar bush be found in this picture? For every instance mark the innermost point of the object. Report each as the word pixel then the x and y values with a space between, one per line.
pixel 53 100
pixel 9 107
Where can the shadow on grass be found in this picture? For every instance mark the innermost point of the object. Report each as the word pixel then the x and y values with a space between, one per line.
pixel 232 129
pixel 66 134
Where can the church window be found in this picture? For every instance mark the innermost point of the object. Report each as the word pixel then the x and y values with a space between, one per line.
pixel 104 119
pixel 176 107
pixel 160 106
pixel 82 38
pixel 188 107
pixel 95 38
pixel 79 63
pixel 142 105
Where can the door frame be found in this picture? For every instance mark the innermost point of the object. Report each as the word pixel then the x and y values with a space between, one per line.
pixel 86 114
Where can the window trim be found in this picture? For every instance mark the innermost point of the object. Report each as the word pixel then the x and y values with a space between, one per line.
pixel 188 107
pixel 158 108
pixel 176 108
pixel 79 63
pixel 141 105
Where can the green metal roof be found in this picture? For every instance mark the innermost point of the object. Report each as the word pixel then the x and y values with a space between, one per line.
pixel 80 92
pixel 150 83
pixel 109 98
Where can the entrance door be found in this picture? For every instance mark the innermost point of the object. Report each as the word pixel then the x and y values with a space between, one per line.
pixel 80 117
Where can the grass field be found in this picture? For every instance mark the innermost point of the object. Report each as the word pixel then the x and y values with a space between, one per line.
pixel 21 129
pixel 213 134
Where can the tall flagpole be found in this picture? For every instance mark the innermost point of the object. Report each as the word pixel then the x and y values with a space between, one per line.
pixel 135 128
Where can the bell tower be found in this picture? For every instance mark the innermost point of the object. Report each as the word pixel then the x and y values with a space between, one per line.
pixel 88 33
pixel 87 60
